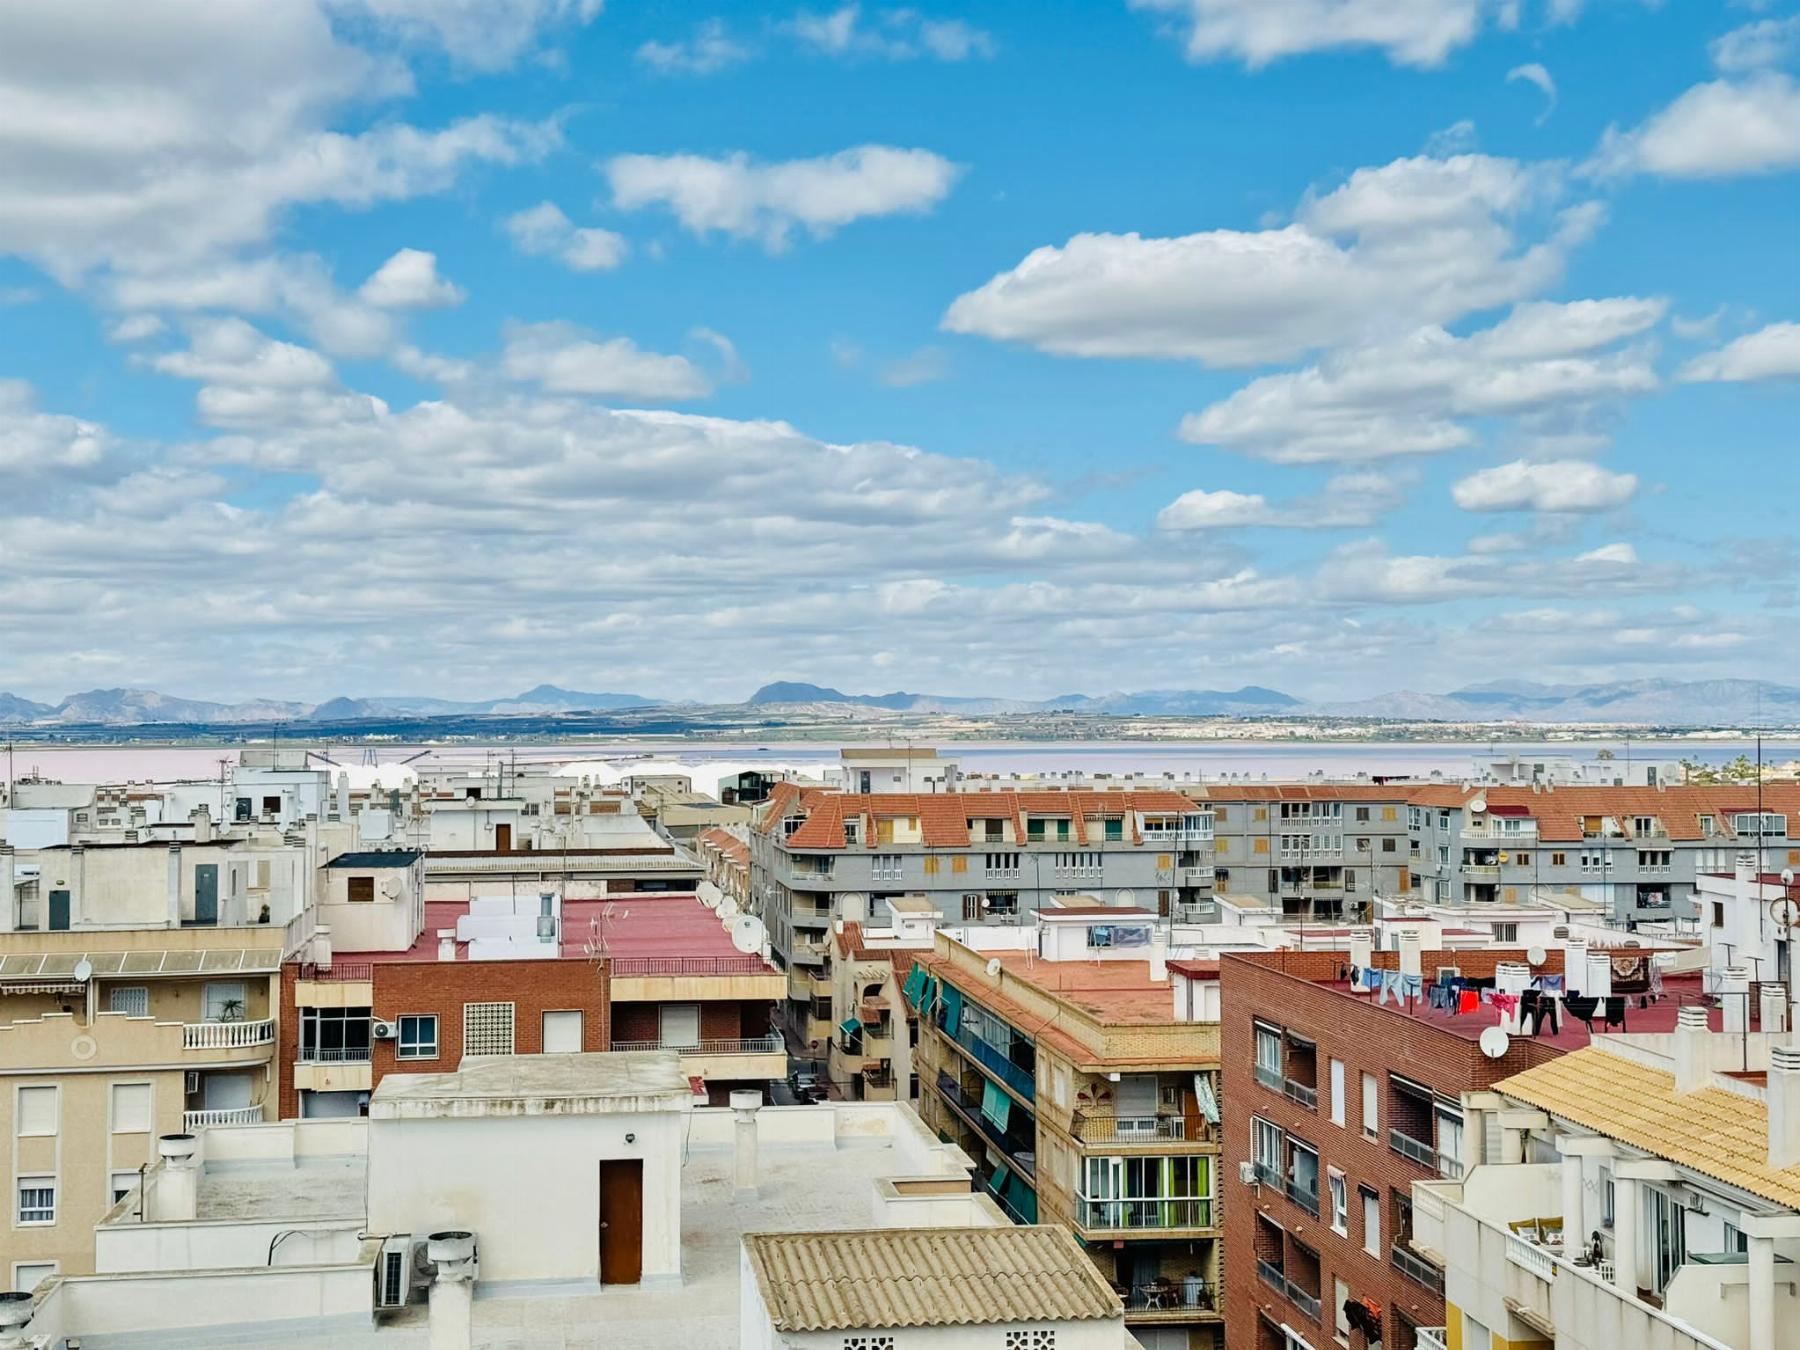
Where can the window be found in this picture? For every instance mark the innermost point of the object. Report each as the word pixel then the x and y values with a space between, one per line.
pixel 131 1108
pixel 1265 1149
pixel 1559 860
pixel 121 1185
pixel 679 1025
pixel 334 1035
pixel 1522 859
pixel 1718 915
pixel 28 1275
pixel 1389 844
pixel 37 1200
pixel 487 1028
pixel 37 1111
pixel 1337 1092
pixel 885 867
pixel 360 890
pixel 1268 1056
pixel 1506 934
pixel 1371 1122
pixel 416 1036
pixel 1114 829
pixel 223 1001
pixel 1607 1196
pixel 1362 813
pixel 1340 1297
pixel 1371 1208
pixel 130 999
pixel 562 1032
pixel 1340 1201
pixel 933 864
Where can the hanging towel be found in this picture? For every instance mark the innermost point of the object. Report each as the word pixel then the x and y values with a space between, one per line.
pixel 1552 984
pixel 1438 996
pixel 1468 1001
pixel 1506 1004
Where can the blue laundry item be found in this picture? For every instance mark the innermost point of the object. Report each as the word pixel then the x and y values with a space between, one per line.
pixel 1552 984
pixel 1390 984
pixel 1412 985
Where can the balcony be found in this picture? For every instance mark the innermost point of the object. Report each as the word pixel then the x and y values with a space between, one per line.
pixel 1270 1274
pixel 1480 872
pixel 728 1058
pixel 808 953
pixel 237 1115
pixel 1141 1215
pixel 1270 1078
pixel 227 1035
pixel 1307 1303
pixel 1104 1128
pixel 1308 1200
pixel 1303 1093
pixel 997 1062
pixel 1189 1299
pixel 1420 1271
pixel 335 1069
pixel 968 1106
pixel 1431 1338
pixel 1416 1150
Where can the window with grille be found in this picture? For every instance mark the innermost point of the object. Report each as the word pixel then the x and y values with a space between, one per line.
pixel 37 1199
pixel 131 999
pixel 487 1028
pixel 1031 1338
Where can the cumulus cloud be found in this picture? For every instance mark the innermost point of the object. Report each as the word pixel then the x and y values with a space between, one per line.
pixel 544 231
pixel 1545 485
pixel 250 380
pixel 1420 240
pixel 561 358
pixel 410 280
pixel 1725 128
pixel 893 34
pixel 710 48
pixel 1771 353
pixel 1349 500
pixel 746 199
pixel 1256 32
pixel 482 35
pixel 1767 42
pixel 1544 364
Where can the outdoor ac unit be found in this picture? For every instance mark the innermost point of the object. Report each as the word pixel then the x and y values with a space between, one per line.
pixel 1247 1173
pixel 395 1272
pixel 1560 931
pixel 384 1031
pixel 192 1083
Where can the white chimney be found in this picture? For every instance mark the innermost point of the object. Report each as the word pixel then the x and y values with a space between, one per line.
pixel 1575 955
pixel 452 1255
pixel 745 1103
pixel 1734 998
pixel 174 892
pixel 15 1316
pixel 1412 944
pixel 1774 1009
pixel 1159 960
pixel 202 821
pixel 1784 1105
pixel 446 944
pixel 9 898
pixel 1362 948
pixel 1597 982
pixel 175 1194
pixel 1693 1068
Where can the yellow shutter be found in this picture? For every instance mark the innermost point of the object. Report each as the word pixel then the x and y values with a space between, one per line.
pixel 1512 895
pixel 1404 880
pixel 884 830
pixel 1390 813
pixel 1262 845
pixel 931 865
pixel 1164 862
pixel 1221 845
pixel 1262 813
pixel 959 864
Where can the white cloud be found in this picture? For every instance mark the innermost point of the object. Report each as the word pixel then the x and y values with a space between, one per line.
pixel 1545 485
pixel 1544 364
pixel 1770 353
pixel 480 34
pixel 1348 501
pixel 410 280
pixel 1534 73
pixel 921 367
pixel 749 200
pixel 543 230
pixel 250 380
pixel 1408 32
pixel 561 359
pixel 135 328
pixel 1416 241
pixel 39 444
pixel 891 34
pixel 710 49
pixel 1723 129
pixel 1768 42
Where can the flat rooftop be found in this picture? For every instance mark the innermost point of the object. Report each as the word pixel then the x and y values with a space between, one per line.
pixel 638 1080
pixel 312 1188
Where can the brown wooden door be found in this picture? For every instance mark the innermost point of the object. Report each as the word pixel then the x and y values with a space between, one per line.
pixel 621 1221
pixel 503 838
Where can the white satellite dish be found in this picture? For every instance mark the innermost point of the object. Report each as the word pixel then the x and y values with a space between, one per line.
pixel 709 894
pixel 728 908
pixel 747 933
pixel 84 971
pixel 1787 876
pixel 1535 955
pixel 1125 895
pixel 1495 1042
pixel 390 886
pixel 993 965
pixel 1477 805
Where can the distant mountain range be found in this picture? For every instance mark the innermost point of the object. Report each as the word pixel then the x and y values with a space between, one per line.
pixel 1732 703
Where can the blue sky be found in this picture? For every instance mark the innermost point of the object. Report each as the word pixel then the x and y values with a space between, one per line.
pixel 1334 345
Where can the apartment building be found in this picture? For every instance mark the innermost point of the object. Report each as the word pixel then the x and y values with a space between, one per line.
pixel 1083 1073
pixel 1644 1191
pixel 1309 853
pixel 873 1032
pixel 980 858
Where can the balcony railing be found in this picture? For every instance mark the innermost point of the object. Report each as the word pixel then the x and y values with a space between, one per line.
pixel 995 1061
pixel 343 1054
pixel 1418 1269
pixel 1431 1338
pixel 689 965
pixel 1110 1129
pixel 1139 1214
pixel 968 1106
pixel 1307 1200
pixel 227 1035
pixel 1302 1093
pixel 339 972
pixel 1179 1298
pixel 1270 1274
pixel 749 1045
pixel 1529 1256
pixel 1418 1150
pixel 1307 1303
pixel 235 1115
pixel 1270 1078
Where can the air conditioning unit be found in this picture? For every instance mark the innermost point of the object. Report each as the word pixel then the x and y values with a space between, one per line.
pixel 384 1031
pixel 1247 1173
pixel 191 1084
pixel 1448 973
pixel 1560 931
pixel 397 1271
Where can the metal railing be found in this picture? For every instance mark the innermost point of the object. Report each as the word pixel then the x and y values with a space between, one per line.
pixel 748 1045
pixel 1270 1078
pixel 1017 1150
pixel 1300 1092
pixel 343 1054
pixel 1093 1128
pixel 1430 1338
pixel 1307 1200
pixel 689 965
pixel 1418 1150
pixel 1307 1303
pixel 1189 1294
pixel 1418 1269
pixel 338 972
pixel 995 1060
pixel 235 1115
pixel 1137 1214
pixel 227 1035
pixel 1270 1274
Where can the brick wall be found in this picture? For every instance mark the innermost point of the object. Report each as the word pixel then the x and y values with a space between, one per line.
pixel 720 1020
pixel 442 987
pixel 1280 988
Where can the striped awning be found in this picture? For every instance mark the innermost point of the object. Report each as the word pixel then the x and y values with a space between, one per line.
pixel 148 963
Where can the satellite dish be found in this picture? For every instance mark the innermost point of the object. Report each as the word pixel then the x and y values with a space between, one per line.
pixel 993 965
pixel 1785 913
pixel 1787 876
pixel 390 887
pixel 1477 805
pixel 1495 1042
pixel 1125 895
pixel 709 894
pixel 747 933
pixel 84 970
pixel 1535 955
pixel 728 908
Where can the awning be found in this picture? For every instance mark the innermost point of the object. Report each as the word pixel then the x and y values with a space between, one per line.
pixel 1209 1101
pixel 850 1026
pixel 995 1104
pixel 915 985
pixel 41 987
pixel 952 1010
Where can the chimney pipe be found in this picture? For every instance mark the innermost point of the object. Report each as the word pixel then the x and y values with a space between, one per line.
pixel 446 944
pixel 1575 954
pixel 745 1103
pixel 1412 948
pixel 1784 1105
pixel 450 1311
pixel 1693 1068
pixel 9 897
pixel 175 1197
pixel 202 822
pixel 1774 1009
pixel 1362 949
pixel 1734 999
pixel 1597 982
pixel 1159 960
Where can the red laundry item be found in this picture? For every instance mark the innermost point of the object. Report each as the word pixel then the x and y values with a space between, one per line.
pixel 1468 1001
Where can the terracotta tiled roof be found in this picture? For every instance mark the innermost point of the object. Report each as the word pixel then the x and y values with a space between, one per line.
pixel 1717 1133
pixel 926 1277
pixel 944 816
pixel 728 844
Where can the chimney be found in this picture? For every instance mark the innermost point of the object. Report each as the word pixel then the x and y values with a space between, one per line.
pixel 1597 979
pixel 1734 999
pixel 1159 960
pixel 450 1312
pixel 745 1103
pixel 446 944
pixel 1784 1105
pixel 202 822
pixel 15 1316
pixel 1412 945
pixel 1774 1009
pixel 1693 1068
pixel 1575 955
pixel 9 897
pixel 1362 948
pixel 175 1195
pixel 174 898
